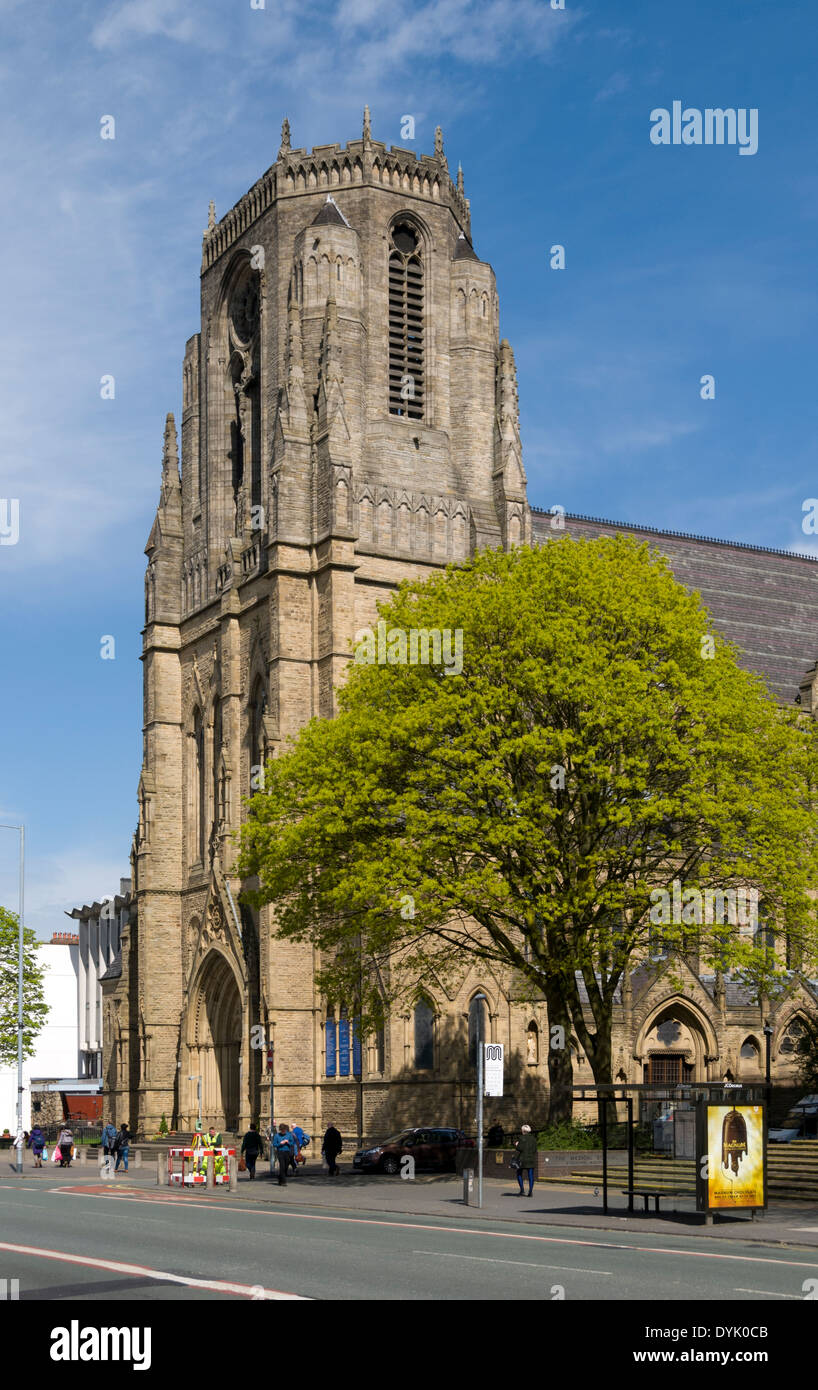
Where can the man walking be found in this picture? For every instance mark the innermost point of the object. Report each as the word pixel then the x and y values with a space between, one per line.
pixel 331 1147
pixel 251 1147
pixel 284 1146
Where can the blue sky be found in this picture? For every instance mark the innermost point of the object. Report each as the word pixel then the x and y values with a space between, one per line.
pixel 680 261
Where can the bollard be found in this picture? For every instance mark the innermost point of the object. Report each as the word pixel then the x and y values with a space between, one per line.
pixel 81 1152
pixel 210 1180
pixel 137 1158
pixel 468 1186
pixel 160 1175
pixel 232 1169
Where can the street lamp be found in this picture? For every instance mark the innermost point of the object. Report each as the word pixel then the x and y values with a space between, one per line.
pixel 768 1034
pixel 19 1141
pixel 198 1081
pixel 480 1000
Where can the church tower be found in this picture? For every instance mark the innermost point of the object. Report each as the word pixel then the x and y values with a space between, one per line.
pixel 349 420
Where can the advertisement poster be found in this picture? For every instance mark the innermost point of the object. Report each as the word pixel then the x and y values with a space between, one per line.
pixel 735 1152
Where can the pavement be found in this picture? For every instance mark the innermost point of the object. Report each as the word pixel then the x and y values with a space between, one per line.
pixel 441 1196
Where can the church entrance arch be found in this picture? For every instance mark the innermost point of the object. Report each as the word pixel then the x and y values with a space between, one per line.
pixel 675 1043
pixel 214 1042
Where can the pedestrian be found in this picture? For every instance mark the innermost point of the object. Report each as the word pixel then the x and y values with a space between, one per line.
pixel 213 1140
pixel 302 1139
pixel 331 1147
pixel 65 1144
pixel 251 1147
pixel 121 1146
pixel 284 1146
pixel 108 1138
pixel 37 1142
pixel 526 1147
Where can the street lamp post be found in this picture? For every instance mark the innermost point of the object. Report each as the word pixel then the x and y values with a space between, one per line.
pixel 480 999
pixel 198 1081
pixel 19 1142
pixel 768 1035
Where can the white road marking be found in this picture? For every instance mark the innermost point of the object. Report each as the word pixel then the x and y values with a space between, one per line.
pixel 460 1230
pixel 770 1293
pixel 524 1264
pixel 141 1271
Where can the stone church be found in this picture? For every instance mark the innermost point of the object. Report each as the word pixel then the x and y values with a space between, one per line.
pixel 350 419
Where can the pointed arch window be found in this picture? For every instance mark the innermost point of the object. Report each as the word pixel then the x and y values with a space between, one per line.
pixel 407 384
pixel 198 786
pixel 218 780
pixel 424 1021
pixel 330 1044
pixel 258 711
pixel 478 1027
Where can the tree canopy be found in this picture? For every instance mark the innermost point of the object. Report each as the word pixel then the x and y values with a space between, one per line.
pixel 35 1009
pixel 560 807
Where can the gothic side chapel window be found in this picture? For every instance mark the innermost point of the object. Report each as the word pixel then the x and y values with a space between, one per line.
pixel 198 788
pixel 258 710
pixel 424 1035
pixel 406 312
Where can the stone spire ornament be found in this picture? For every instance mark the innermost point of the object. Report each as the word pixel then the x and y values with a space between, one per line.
pixel 211 216
pixel 170 460
pixel 439 141
pixel 285 137
pixel 367 126
pixel 461 190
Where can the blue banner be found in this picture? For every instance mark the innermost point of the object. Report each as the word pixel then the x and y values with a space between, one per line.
pixel 343 1047
pixel 356 1047
pixel 330 1045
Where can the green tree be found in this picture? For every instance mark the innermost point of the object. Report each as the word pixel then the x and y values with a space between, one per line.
pixel 600 743
pixel 35 1009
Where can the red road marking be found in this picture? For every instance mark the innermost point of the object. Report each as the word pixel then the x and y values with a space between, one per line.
pixel 461 1230
pixel 142 1272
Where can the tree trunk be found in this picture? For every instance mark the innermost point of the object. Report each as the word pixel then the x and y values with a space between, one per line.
pixel 560 1066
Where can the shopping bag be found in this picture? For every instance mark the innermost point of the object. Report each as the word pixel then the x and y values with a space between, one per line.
pixel 242 1166
pixel 45 1154
pixel 56 1156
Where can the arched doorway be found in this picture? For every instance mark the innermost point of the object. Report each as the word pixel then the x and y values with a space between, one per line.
pixel 674 1045
pixel 214 1043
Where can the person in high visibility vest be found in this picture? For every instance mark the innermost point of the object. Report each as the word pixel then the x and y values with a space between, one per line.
pixel 213 1140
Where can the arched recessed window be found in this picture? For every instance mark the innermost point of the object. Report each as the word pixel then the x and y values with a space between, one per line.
pixel 198 786
pixel 478 1027
pixel 532 1044
pixel 406 312
pixel 218 786
pixel 258 709
pixel 795 1040
pixel 424 1036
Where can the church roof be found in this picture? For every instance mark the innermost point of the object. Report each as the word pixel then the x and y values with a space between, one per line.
pixel 764 600
pixel 464 251
pixel 330 213
pixel 114 970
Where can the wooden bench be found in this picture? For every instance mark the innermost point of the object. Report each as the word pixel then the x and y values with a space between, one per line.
pixel 656 1193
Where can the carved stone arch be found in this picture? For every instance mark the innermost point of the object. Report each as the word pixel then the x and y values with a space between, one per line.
pixel 289 181
pixel 312 177
pixel 301 181
pixel 460 308
pixel 357 172
pixel 702 1042
pixel 795 1014
pixel 323 176
pixel 346 172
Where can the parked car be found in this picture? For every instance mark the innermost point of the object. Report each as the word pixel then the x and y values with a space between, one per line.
pixel 430 1148
pixel 801 1122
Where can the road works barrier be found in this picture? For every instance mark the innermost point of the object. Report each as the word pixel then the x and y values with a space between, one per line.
pixel 198 1168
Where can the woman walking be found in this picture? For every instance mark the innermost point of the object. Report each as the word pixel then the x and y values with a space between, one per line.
pixel 36 1140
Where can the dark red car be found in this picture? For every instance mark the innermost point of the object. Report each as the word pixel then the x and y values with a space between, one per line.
pixel 431 1148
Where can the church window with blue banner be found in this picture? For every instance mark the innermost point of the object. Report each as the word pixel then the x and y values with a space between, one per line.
pixel 343 1042
pixel 330 1044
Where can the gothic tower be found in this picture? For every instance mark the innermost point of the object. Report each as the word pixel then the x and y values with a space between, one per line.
pixel 349 419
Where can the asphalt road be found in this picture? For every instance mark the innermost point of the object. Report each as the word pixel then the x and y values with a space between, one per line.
pixel 63 1244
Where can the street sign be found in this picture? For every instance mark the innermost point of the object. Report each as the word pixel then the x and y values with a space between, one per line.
pixel 493 1071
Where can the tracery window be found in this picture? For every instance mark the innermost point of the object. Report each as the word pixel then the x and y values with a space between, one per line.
pixel 424 1023
pixel 406 309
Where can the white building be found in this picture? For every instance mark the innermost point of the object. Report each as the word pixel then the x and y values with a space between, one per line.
pixel 57 1047
pixel 65 1072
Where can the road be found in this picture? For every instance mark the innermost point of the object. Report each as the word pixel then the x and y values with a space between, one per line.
pixel 70 1242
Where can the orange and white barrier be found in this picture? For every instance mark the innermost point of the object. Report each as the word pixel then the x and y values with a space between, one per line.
pixel 194 1157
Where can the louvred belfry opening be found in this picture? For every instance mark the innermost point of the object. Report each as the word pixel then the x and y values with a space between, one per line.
pixel 406 355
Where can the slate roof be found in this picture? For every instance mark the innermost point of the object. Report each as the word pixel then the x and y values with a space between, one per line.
pixel 464 251
pixel 765 601
pixel 114 970
pixel 329 212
